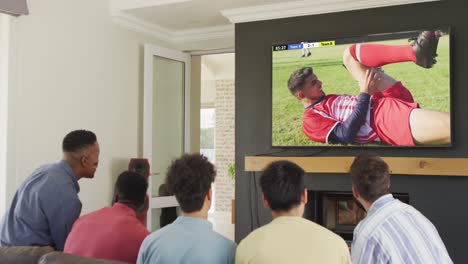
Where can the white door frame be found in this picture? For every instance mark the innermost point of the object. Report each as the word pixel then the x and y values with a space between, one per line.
pixel 149 52
pixel 4 82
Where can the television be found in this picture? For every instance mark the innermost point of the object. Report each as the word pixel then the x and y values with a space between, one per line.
pixel 300 121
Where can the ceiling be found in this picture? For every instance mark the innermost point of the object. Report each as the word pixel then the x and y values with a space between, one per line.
pixel 193 14
pixel 198 25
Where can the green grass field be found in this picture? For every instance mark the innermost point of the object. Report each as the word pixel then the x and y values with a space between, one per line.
pixel 430 87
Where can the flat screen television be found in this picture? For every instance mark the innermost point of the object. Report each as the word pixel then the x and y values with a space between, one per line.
pixel 391 125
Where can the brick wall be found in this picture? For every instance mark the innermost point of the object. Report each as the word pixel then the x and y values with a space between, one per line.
pixel 224 142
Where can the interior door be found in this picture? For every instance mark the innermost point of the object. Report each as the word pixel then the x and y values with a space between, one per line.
pixel 166 124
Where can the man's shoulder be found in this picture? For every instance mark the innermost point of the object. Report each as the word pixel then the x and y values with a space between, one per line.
pixel 175 235
pixel 132 228
pixel 298 225
pixel 319 230
pixel 114 215
pixel 170 232
pixel 51 167
pixel 217 241
pixel 330 97
pixel 373 225
pixel 44 180
pixel 218 237
pixel 209 235
pixel 256 234
pixel 91 216
pixel 103 222
pixel 290 233
pixel 43 171
pixel 52 173
pixel 88 221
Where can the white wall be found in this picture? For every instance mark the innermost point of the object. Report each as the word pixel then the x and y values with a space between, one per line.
pixel 75 69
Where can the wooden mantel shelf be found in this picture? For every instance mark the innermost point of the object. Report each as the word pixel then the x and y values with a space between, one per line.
pixel 398 165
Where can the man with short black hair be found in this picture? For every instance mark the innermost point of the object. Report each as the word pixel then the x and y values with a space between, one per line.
pixel 392 231
pixel 116 232
pixel 190 238
pixel 46 205
pixel 289 238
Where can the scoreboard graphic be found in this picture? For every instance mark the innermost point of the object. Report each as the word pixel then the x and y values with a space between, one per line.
pixel 304 45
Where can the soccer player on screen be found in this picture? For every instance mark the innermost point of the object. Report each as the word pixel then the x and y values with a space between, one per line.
pixel 305 51
pixel 384 111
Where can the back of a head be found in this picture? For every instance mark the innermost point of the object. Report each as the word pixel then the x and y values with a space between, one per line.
pixel 370 175
pixel 131 189
pixel 189 178
pixel 282 184
pixel 297 79
pixel 78 140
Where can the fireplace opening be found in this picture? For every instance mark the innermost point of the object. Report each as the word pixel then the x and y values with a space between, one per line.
pixel 338 211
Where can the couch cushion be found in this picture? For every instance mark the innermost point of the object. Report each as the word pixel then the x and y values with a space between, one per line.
pixel 63 258
pixel 23 255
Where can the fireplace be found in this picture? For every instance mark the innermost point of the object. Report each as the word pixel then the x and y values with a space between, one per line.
pixel 338 211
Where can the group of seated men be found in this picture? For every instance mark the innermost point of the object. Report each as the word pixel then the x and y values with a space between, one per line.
pixel 45 212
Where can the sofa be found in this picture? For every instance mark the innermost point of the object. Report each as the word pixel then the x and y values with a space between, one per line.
pixel 44 255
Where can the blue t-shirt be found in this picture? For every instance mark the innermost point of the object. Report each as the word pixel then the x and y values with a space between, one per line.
pixel 43 209
pixel 187 240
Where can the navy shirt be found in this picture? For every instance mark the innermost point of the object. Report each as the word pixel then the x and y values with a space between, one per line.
pixel 43 209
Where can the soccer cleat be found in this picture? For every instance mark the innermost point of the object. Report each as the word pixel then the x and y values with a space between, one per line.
pixel 308 54
pixel 425 47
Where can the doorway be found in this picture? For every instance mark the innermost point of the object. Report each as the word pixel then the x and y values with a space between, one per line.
pixel 165 127
pixel 217 122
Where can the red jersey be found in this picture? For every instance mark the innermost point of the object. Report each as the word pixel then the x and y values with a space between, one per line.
pixel 320 118
pixel 387 119
pixel 112 233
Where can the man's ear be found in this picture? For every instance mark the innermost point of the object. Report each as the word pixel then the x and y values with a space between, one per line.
pixel 299 95
pixel 265 202
pixel 355 192
pixel 304 196
pixel 83 160
pixel 208 195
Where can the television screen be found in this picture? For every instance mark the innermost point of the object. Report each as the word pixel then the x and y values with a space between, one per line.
pixel 389 89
